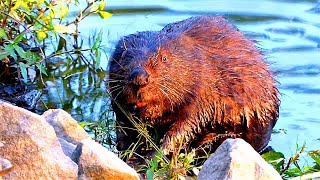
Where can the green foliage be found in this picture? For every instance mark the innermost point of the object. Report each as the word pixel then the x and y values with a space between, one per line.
pixel 180 166
pixel 32 29
pixel 293 167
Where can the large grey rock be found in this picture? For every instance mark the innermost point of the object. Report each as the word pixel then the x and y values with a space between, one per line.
pixel 96 162
pixel 65 126
pixel 32 147
pixel 236 159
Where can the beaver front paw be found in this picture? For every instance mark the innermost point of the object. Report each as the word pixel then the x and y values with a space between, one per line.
pixel 174 141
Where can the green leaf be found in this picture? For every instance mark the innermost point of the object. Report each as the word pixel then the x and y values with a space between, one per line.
pixel 62 42
pixel 102 5
pixel 97 42
pixel 315 157
pixel 18 38
pixel 42 68
pixel 3 34
pixel 20 51
pixel 104 14
pixel 98 58
pixel 272 156
pixel 41 35
pixel 24 73
pixel 293 172
pixel 10 49
pixel 149 174
pixel 3 55
pixel 84 124
pixel 32 57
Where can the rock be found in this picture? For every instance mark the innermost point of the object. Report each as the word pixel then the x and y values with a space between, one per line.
pixel 236 159
pixel 37 147
pixel 96 162
pixel 32 147
pixel 65 126
pixel 67 148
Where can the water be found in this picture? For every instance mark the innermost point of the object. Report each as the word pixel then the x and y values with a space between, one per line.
pixel 289 31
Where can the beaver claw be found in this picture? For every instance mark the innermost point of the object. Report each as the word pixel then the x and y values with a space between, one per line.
pixel 171 141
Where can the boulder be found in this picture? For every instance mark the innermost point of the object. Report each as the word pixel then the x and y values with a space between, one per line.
pixel 31 145
pixel 236 159
pixel 40 147
pixel 96 162
pixel 65 126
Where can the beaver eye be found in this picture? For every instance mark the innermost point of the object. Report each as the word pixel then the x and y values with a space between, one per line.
pixel 164 58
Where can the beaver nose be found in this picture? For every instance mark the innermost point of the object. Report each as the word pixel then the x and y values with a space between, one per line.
pixel 139 77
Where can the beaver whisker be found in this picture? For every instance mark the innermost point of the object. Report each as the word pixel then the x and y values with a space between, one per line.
pixel 182 88
pixel 118 92
pixel 112 59
pixel 173 91
pixel 116 80
pixel 169 90
pixel 168 97
pixel 115 98
pixel 115 88
pixel 118 75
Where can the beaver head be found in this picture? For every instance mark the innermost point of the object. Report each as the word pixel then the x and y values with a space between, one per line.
pixel 150 77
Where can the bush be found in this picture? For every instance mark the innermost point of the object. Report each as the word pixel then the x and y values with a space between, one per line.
pixel 33 31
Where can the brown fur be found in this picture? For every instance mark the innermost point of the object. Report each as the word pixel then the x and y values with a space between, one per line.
pixel 199 80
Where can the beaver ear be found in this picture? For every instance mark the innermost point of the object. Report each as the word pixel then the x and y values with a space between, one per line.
pixel 164 58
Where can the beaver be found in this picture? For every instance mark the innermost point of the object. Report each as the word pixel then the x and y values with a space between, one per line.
pixel 196 81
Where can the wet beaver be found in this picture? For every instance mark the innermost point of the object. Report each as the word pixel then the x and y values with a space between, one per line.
pixel 195 81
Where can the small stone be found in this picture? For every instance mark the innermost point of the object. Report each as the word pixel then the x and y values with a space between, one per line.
pixel 235 159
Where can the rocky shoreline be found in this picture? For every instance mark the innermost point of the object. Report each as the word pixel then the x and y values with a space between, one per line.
pixel 54 146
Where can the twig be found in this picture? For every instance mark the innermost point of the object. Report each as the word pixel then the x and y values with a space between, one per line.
pixel 65 52
pixel 79 16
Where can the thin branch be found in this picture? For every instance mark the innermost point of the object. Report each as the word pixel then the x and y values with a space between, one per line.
pixel 80 15
pixel 65 52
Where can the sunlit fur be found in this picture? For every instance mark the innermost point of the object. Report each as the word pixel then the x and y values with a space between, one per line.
pixel 213 84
